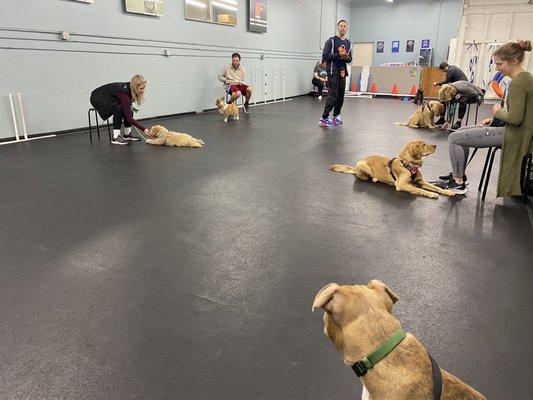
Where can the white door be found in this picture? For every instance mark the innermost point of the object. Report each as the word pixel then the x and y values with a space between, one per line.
pixel 363 54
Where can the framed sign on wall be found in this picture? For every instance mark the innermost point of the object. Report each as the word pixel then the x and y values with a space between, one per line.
pixel 257 16
pixel 145 7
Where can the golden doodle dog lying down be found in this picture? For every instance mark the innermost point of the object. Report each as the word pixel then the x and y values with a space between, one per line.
pixel 424 117
pixel 163 137
pixel 358 320
pixel 403 171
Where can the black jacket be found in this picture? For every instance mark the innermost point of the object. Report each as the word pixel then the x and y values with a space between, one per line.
pixel 104 99
pixel 454 74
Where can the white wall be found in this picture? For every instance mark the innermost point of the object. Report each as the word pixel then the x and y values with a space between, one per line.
pixel 107 45
pixel 376 20
pixel 489 23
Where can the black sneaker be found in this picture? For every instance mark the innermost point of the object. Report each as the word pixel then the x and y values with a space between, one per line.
pixel 449 177
pixel 132 137
pixel 456 126
pixel 458 188
pixel 246 108
pixel 446 177
pixel 119 140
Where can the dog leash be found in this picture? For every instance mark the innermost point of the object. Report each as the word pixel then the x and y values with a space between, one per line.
pixel 437 378
pixel 139 132
pixel 361 367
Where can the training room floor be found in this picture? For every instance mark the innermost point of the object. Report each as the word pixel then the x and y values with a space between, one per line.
pixel 175 273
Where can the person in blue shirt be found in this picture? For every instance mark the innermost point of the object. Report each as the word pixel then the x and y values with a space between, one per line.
pixel 337 53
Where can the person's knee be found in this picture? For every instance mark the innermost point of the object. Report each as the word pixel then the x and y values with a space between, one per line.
pixel 454 137
pixel 249 90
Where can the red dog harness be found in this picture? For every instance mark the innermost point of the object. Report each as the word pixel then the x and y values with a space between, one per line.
pixel 413 169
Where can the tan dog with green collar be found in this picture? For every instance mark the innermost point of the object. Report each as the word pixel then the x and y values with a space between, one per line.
pixel 358 320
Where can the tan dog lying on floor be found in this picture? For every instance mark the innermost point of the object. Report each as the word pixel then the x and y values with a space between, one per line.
pixel 402 171
pixel 424 117
pixel 163 137
pixel 358 320
pixel 228 110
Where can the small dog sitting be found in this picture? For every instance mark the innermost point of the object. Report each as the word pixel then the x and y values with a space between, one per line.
pixel 227 109
pixel 403 171
pixel 419 97
pixel 424 117
pixel 163 137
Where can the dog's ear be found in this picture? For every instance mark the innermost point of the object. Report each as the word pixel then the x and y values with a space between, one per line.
pixel 415 150
pixel 384 290
pixel 324 297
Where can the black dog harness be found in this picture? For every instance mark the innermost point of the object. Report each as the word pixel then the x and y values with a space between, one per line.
pixel 363 366
pixel 413 169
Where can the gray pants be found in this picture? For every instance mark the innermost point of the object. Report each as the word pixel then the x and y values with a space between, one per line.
pixel 460 141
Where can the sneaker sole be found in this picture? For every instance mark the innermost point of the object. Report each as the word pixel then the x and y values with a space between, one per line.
pixel 459 191
pixel 120 143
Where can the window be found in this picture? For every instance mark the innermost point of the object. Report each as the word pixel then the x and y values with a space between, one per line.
pixel 214 11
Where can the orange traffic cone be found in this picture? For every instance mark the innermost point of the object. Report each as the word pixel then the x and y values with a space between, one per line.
pixel 413 90
pixel 354 87
pixel 394 89
pixel 374 88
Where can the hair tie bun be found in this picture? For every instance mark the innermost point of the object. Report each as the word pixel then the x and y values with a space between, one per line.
pixel 525 45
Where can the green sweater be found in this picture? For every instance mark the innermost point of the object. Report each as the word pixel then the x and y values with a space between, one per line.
pixel 518 133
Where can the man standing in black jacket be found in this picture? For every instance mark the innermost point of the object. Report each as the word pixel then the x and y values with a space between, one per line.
pixel 337 53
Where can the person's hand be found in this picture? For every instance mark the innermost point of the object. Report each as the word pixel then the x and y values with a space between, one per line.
pixel 446 126
pixel 146 132
pixel 435 83
pixel 495 108
pixel 485 122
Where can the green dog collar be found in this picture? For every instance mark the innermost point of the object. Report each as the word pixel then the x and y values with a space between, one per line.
pixel 361 367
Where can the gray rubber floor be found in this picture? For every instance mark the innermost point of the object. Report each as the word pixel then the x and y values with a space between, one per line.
pixel 145 272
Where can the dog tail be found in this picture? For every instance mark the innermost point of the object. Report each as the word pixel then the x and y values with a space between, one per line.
pixel 347 169
pixel 401 123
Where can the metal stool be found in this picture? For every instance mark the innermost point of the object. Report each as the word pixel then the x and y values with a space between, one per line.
pixel 525 171
pixel 485 175
pixel 91 110
pixel 228 96
pixel 452 108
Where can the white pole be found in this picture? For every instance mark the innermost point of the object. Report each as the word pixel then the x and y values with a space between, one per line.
pixel 14 117
pixel 22 116
pixel 274 71
pixel 255 82
pixel 283 80
pixel 265 81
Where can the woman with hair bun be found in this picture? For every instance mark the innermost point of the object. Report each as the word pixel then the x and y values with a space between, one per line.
pixel 511 127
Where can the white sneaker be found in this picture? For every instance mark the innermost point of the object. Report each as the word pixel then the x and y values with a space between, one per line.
pixel 319 97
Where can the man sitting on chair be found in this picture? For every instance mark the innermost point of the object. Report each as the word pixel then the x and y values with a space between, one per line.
pixel 233 76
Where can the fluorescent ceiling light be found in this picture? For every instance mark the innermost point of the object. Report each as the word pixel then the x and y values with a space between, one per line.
pixel 195 3
pixel 222 5
pixel 390 1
